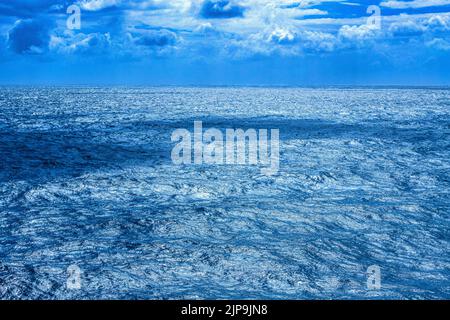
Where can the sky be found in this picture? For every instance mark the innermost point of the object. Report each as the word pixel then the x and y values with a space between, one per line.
pixel 225 42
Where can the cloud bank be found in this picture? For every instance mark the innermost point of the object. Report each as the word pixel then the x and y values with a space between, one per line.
pixel 222 31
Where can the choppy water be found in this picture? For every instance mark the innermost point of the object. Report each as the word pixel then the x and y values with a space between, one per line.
pixel 86 178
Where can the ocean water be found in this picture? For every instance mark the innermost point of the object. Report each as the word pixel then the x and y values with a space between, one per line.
pixel 86 179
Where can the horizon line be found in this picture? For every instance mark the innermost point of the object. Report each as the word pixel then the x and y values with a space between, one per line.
pixel 343 86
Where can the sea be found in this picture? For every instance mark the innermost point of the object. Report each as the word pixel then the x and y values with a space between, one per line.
pixel 92 206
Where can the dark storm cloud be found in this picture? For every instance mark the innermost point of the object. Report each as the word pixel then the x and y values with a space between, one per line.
pixel 221 9
pixel 29 36
pixel 155 38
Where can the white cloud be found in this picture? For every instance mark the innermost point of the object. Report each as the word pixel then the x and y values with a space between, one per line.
pixel 438 43
pixel 438 23
pixel 267 27
pixel 76 43
pixel 406 27
pixel 358 33
pixel 414 4
pixel 282 36
pixel 94 5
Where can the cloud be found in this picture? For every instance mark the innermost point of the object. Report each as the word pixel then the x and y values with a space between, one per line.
pixel 357 33
pixel 95 5
pixel 414 4
pixel 438 23
pixel 29 36
pixel 221 9
pixel 406 28
pixel 187 27
pixel 283 36
pixel 318 41
pixel 157 38
pixel 93 43
pixel 205 28
pixel 439 43
pixel 312 12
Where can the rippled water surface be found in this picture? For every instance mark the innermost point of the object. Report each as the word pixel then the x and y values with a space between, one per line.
pixel 86 178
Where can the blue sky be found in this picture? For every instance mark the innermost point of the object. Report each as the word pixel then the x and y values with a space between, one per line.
pixel 226 42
